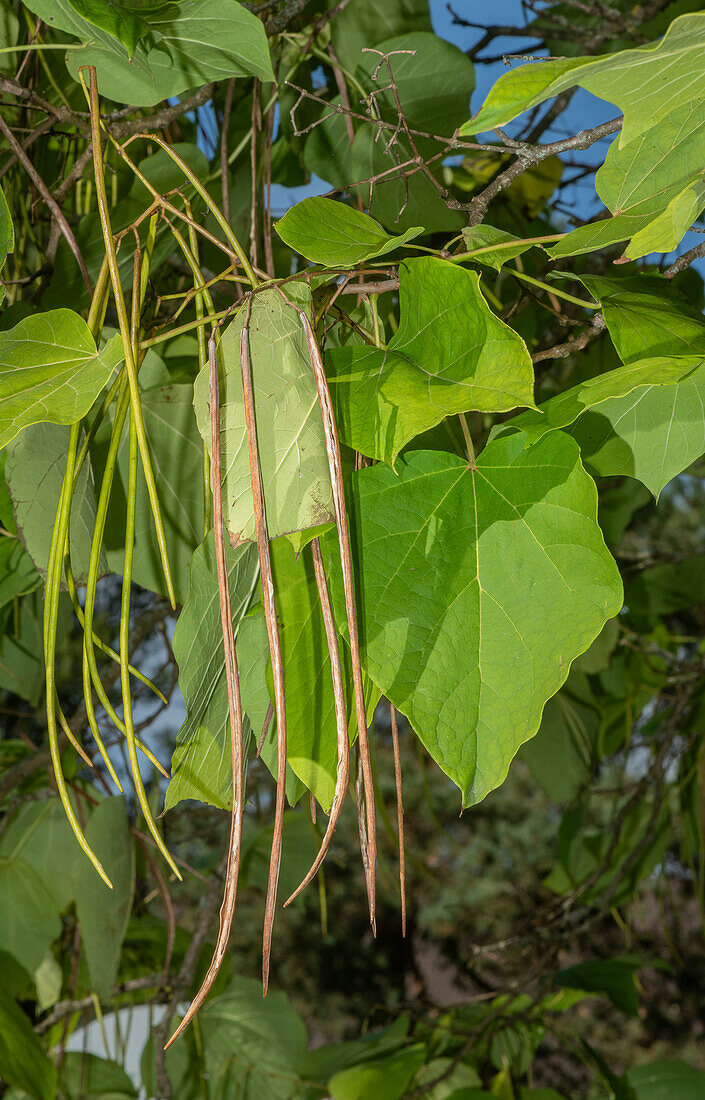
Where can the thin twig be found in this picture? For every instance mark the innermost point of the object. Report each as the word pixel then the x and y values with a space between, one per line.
pixel 400 815
pixel 275 649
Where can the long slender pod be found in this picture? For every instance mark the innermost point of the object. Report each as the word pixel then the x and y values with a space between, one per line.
pixel 227 907
pixel 341 720
pixel 368 836
pixel 127 589
pixel 51 612
pixel 124 324
pixel 270 616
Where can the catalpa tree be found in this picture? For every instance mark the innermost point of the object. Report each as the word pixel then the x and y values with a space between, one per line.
pixel 406 447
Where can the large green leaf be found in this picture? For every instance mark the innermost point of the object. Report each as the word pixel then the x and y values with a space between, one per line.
pixel 254 1047
pixel 372 21
pixel 449 354
pixel 103 913
pixel 651 180
pixel 189 44
pixel 385 1079
pixel 653 185
pixel 616 978
pixel 50 371
pixel 23 1061
pixel 29 917
pixel 177 461
pixel 91 1078
pixel 36 463
pixel 335 235
pixel 477 590
pixel 644 420
pixel 646 83
pixel 201 766
pixel 290 437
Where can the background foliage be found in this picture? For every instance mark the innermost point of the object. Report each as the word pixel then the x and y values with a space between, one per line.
pixel 509 306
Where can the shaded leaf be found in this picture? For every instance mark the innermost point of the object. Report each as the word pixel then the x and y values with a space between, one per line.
pixel 385 1079
pixel 35 468
pixel 373 21
pixel 86 1076
pixel 449 354
pixel 117 19
pixel 177 461
pixel 23 1062
pixel 480 587
pixel 201 766
pixel 666 1080
pixel 616 978
pixel 102 913
pixel 29 917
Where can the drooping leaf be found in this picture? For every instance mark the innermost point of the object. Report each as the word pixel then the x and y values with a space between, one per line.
pixel 103 913
pixel 645 317
pixel 50 371
pixel 21 660
pixel 29 917
pixel 654 202
pixel 177 461
pixel 189 44
pixel 449 354
pixel 259 1043
pixel 633 79
pixel 652 185
pixel 482 238
pixel 35 468
pixel 299 847
pixel 335 235
pixel 614 977
pixel 666 1080
pixel 41 837
pixel 201 766
pixel 644 420
pixel 290 438
pixel 385 1079
pixel 479 588
pixel 17 574
pixel 23 1061
pixel 93 1078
